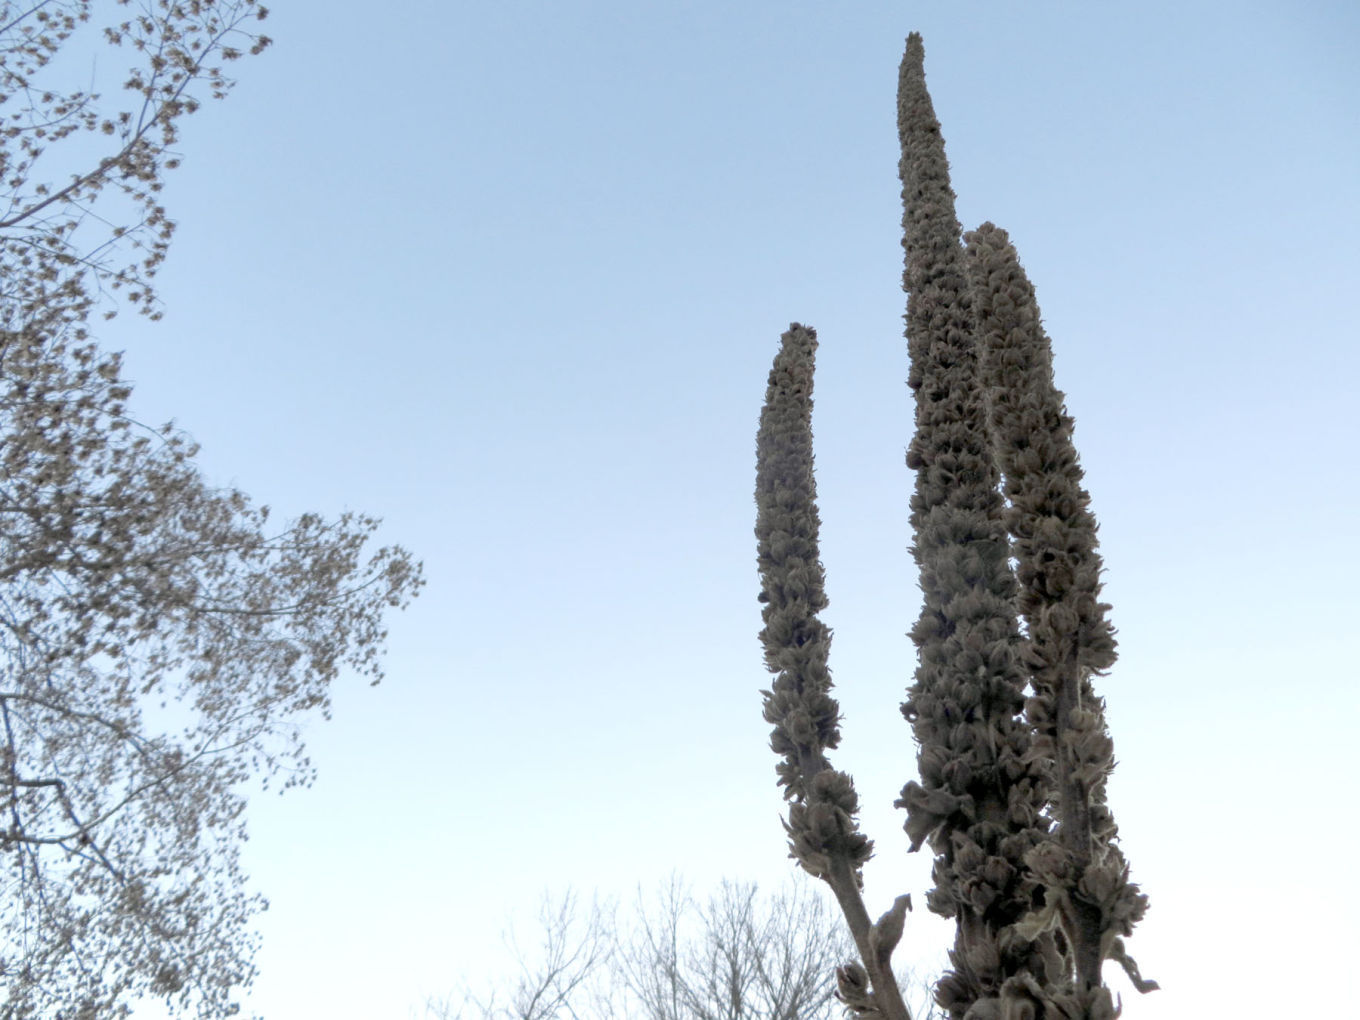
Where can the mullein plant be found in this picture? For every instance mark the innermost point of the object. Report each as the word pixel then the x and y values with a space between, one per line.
pixel 1011 795
pixel 1087 892
pixel 981 792
pixel 822 826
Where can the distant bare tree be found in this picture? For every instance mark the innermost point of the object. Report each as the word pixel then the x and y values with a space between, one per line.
pixel 734 956
pixel 561 980
pixel 737 955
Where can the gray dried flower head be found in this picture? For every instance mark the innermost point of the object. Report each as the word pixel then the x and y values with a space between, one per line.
pixel 1069 635
pixel 822 825
pixel 980 792
pixel 852 989
pixel 804 714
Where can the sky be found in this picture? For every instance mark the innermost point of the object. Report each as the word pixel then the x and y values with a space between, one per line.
pixel 511 276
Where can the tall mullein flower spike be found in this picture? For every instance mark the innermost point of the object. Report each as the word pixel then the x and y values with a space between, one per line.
pixel 981 791
pixel 822 826
pixel 1087 889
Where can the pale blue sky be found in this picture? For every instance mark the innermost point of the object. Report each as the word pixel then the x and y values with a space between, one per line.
pixel 511 276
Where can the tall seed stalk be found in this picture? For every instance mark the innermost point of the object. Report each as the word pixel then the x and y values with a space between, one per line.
pixel 1087 891
pixel 822 826
pixel 981 790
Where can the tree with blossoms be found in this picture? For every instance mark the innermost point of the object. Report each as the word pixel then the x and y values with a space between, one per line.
pixel 161 639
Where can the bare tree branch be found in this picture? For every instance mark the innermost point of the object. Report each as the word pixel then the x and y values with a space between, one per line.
pixel 738 954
